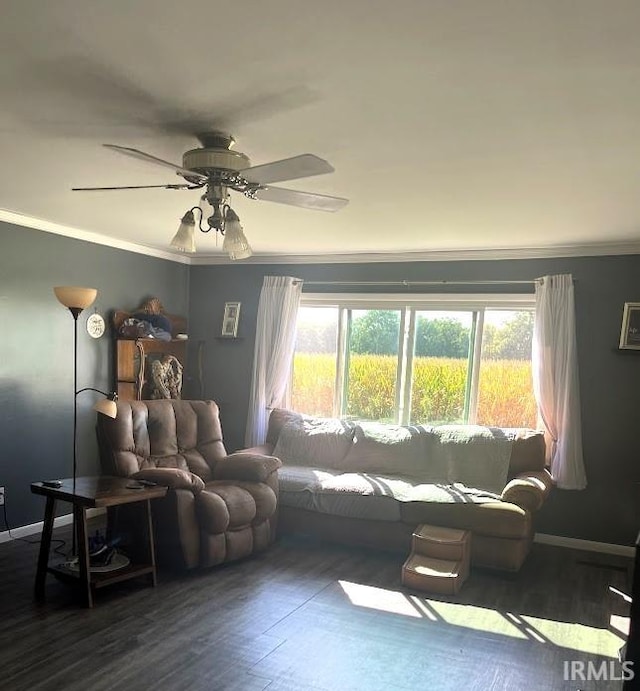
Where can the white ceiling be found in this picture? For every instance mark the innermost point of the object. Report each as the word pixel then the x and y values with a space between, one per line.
pixel 452 124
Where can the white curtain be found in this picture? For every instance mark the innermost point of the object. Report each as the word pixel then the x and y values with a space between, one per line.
pixel 555 378
pixel 273 354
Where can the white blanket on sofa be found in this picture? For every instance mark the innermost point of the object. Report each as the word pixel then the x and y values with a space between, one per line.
pixel 475 456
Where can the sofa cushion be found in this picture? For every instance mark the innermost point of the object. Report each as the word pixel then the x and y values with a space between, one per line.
pixel 374 497
pixel 278 418
pixel 320 442
pixel 406 451
pixel 527 452
pixel 341 494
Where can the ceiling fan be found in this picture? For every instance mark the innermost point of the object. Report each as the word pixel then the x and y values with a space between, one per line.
pixel 216 169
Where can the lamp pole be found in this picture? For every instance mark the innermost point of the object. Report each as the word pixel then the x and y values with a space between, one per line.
pixel 75 311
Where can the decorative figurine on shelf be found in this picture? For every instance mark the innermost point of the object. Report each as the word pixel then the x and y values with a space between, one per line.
pixel 166 378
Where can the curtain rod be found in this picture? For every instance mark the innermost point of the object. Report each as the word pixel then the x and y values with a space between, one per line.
pixel 408 284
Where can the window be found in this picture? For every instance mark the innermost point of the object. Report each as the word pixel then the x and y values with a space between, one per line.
pixel 505 389
pixel 433 360
pixel 313 388
pixel 440 381
pixel 369 389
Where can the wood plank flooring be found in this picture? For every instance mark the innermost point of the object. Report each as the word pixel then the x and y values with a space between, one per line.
pixel 315 616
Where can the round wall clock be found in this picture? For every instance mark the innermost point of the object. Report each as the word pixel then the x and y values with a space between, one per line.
pixel 95 325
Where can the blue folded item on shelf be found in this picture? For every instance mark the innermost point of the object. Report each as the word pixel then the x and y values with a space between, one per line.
pixel 157 321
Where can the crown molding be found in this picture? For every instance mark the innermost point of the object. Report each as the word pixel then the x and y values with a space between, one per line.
pixel 448 255
pixel 19 219
pixel 586 250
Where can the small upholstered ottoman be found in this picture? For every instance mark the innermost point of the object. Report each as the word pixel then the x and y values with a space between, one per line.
pixel 439 559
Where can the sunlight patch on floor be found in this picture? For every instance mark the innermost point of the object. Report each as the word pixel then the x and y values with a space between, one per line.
pixel 478 618
pixel 579 637
pixel 380 599
pixel 620 624
pixel 586 639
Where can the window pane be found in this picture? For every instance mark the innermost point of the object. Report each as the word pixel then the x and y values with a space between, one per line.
pixel 370 385
pixel 505 390
pixel 314 361
pixel 440 367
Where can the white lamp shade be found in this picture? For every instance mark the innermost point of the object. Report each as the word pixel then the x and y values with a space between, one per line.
pixel 235 243
pixel 107 407
pixel 75 297
pixel 184 239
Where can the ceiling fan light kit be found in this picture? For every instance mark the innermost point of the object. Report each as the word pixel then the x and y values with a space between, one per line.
pixel 184 240
pixel 235 243
pixel 218 169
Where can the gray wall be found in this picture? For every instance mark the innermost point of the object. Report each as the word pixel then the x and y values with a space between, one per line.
pixel 36 368
pixel 607 510
pixel 36 351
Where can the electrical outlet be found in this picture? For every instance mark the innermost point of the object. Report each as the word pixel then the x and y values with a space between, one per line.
pixel 1 496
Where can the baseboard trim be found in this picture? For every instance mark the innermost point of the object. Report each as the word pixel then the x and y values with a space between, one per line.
pixel 541 538
pixel 36 528
pixel 587 545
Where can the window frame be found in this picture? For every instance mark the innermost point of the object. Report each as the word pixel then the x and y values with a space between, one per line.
pixel 409 306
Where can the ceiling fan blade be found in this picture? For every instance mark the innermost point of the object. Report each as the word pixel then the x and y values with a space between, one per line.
pixel 135 153
pixel 307 200
pixel 135 187
pixel 301 166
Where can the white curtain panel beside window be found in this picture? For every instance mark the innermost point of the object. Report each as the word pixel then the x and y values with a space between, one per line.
pixel 273 353
pixel 555 378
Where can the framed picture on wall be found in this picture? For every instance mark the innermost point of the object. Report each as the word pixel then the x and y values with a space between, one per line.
pixel 231 319
pixel 630 333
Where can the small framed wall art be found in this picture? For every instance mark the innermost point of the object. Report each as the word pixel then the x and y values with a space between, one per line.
pixel 231 319
pixel 630 333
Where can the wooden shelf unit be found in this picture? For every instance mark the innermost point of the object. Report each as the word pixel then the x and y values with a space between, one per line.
pixel 130 355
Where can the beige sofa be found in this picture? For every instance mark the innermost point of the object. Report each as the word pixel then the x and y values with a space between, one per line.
pixel 372 484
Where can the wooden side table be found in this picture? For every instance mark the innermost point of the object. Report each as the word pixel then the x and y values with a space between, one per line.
pixel 90 493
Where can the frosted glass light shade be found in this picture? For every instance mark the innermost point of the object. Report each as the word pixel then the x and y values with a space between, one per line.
pixel 184 239
pixel 235 243
pixel 75 297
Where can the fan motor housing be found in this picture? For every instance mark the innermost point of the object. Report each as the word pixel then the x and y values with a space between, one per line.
pixel 205 160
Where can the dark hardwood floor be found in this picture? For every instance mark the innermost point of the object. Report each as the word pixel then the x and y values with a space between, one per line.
pixel 316 616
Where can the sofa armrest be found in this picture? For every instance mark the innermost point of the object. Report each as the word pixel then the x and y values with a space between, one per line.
pixel 250 467
pixel 528 490
pixel 174 478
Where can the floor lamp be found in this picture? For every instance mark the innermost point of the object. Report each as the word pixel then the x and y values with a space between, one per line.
pixel 77 299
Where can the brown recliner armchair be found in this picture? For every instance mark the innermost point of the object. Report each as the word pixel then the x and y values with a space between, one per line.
pixel 219 507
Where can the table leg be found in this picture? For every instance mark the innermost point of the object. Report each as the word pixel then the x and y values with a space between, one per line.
pixel 150 543
pixel 45 545
pixel 80 515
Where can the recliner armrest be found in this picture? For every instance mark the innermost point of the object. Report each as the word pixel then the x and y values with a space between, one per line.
pixel 528 490
pixel 260 450
pixel 249 467
pixel 174 478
